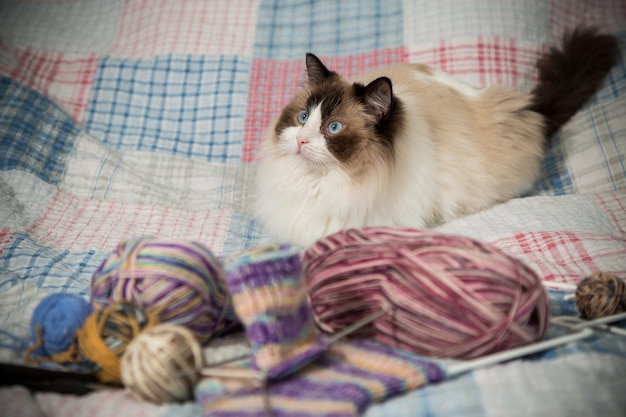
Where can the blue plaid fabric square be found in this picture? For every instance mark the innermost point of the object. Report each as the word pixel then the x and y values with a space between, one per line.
pixel 54 270
pixel 432 21
pixel 555 178
pixel 66 26
pixel 186 105
pixel 287 30
pixel 35 134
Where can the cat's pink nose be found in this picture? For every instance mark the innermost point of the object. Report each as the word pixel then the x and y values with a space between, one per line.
pixel 301 141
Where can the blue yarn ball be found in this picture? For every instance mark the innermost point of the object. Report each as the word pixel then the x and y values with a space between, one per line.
pixel 59 317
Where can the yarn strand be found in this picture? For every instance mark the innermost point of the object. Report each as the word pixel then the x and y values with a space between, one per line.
pixel 71 355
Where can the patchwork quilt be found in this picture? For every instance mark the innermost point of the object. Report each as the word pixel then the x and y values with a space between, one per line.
pixel 124 118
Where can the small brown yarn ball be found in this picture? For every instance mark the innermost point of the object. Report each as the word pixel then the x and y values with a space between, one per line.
pixel 163 364
pixel 600 295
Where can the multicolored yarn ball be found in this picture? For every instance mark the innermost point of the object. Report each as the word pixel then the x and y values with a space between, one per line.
pixel 181 282
pixel 163 364
pixel 106 334
pixel 53 327
pixel 600 295
pixel 448 296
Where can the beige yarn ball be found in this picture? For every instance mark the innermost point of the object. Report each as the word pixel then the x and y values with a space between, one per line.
pixel 163 364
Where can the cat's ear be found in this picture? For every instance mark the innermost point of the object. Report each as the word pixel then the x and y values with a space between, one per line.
pixel 316 70
pixel 378 97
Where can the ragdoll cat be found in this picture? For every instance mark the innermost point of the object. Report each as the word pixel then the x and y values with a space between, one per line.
pixel 408 145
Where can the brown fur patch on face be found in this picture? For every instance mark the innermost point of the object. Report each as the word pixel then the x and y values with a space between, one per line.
pixel 364 140
pixel 289 115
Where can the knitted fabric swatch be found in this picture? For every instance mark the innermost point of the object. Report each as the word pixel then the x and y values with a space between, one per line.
pixel 305 377
pixel 270 300
pixel 342 382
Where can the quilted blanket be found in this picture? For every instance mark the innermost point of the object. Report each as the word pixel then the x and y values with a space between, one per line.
pixel 124 118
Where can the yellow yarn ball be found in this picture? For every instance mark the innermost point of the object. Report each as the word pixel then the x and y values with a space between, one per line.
pixel 163 364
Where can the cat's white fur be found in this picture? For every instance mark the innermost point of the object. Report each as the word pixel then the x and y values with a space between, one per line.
pixel 443 167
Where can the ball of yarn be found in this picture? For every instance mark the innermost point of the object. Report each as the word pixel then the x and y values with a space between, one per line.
pixel 106 334
pixel 53 326
pixel 447 296
pixel 599 295
pixel 181 282
pixel 163 364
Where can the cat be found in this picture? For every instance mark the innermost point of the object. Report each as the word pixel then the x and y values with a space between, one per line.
pixel 409 145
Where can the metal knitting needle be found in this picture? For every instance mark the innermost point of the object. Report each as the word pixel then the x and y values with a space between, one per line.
pixel 332 339
pixel 266 396
pixel 335 337
pixel 576 323
pixel 231 360
pixel 355 326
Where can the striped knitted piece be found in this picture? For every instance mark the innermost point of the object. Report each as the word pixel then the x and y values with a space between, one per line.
pixel 340 383
pixel 305 376
pixel 270 299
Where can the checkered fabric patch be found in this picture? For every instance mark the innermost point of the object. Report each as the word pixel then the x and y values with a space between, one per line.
pixel 101 225
pixel 589 154
pixel 6 235
pixel 35 134
pixel 427 21
pixel 287 30
pixel 608 15
pixel 155 27
pixel 64 78
pixel 555 179
pixel 566 256
pixel 614 205
pixel 245 233
pixel 50 268
pixel 483 61
pixel 67 26
pixel 24 198
pixel 186 105
pixel 95 171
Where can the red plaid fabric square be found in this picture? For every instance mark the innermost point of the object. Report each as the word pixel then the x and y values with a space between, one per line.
pixel 483 61
pixel 100 225
pixel 6 235
pixel 566 256
pixel 614 205
pixel 65 78
pixel 155 27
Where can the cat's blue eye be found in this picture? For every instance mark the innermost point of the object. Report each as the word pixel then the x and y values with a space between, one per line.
pixel 303 116
pixel 334 127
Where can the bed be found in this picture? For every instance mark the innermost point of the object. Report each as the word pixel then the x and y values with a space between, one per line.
pixel 129 118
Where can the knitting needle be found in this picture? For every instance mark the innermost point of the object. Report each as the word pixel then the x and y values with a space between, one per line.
pixel 355 326
pixel 576 323
pixel 466 366
pixel 559 285
pixel 584 330
pixel 266 396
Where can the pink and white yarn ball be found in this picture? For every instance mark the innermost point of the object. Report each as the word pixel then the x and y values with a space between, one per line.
pixel 447 296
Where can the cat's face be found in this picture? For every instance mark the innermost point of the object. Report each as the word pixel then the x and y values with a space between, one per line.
pixel 335 123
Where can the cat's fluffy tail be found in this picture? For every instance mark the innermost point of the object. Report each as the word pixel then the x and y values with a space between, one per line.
pixel 571 75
